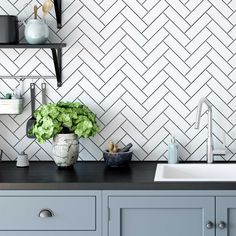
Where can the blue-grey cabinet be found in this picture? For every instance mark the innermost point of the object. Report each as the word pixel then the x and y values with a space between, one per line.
pixel 165 213
pixel 226 216
pixel 117 213
pixel 161 215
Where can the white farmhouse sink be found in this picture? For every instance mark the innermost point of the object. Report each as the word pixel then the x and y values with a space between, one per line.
pixel 195 172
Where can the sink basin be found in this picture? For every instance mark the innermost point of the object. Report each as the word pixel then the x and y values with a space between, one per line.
pixel 195 172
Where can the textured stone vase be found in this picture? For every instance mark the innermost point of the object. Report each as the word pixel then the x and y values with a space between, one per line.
pixel 65 149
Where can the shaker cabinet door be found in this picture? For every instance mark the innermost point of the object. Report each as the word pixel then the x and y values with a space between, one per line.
pixel 225 216
pixel 162 216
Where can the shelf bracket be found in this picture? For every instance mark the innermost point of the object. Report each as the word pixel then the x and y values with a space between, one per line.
pixel 57 58
pixel 57 6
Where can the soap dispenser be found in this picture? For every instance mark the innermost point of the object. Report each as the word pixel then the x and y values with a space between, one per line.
pixel 173 151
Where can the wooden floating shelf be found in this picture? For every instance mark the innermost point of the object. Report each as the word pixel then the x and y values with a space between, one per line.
pixel 56 54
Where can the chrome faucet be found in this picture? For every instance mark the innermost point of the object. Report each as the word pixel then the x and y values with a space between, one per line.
pixel 210 146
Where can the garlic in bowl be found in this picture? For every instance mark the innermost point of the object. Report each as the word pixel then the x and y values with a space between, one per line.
pixel 115 157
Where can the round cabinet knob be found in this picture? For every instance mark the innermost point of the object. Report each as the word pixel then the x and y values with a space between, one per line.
pixel 221 225
pixel 46 213
pixel 209 225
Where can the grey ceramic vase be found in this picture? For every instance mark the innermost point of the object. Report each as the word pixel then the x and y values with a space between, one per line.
pixel 65 149
pixel 36 31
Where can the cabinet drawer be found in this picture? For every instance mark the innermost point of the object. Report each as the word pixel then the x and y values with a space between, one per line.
pixel 73 213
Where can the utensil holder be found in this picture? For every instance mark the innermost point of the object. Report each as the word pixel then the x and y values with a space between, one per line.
pixel 11 106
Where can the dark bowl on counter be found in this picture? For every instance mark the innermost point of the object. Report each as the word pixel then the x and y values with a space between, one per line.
pixel 119 159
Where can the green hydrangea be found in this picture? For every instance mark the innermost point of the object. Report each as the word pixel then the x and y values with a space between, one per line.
pixel 63 117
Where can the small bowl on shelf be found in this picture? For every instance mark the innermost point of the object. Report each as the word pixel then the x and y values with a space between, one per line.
pixel 118 159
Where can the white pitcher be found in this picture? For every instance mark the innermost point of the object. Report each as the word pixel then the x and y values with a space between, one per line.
pixel 36 31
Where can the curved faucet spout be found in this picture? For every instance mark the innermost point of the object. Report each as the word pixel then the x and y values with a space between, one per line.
pixel 199 110
pixel 206 101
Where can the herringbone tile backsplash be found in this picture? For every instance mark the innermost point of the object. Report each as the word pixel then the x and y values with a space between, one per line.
pixel 141 66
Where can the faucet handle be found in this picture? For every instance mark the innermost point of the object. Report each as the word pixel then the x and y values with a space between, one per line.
pixel 219 152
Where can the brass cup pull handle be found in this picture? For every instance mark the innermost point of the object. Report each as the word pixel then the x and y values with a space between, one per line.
pixel 209 225
pixel 221 225
pixel 46 213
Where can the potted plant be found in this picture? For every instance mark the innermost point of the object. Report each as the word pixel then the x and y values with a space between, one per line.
pixel 64 122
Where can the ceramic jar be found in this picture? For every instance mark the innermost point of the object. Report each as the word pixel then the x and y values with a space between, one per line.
pixel 22 160
pixel 36 31
pixel 65 149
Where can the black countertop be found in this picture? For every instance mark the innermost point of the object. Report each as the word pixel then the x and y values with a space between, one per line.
pixel 94 176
